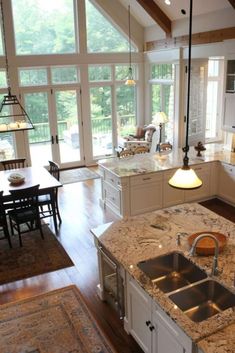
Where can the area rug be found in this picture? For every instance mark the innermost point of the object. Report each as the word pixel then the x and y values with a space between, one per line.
pixel 77 174
pixel 55 322
pixel 35 257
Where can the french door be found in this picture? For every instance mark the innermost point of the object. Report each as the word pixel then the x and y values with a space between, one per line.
pixel 58 136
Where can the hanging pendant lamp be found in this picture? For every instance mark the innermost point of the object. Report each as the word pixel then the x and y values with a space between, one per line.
pixel 13 116
pixel 185 177
pixel 130 80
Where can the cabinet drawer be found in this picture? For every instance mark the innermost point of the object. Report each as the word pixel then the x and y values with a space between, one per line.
pixel 146 178
pixel 111 178
pixel 112 195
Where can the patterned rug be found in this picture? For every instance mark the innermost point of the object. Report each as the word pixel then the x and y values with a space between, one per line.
pixel 35 257
pixel 77 174
pixel 55 322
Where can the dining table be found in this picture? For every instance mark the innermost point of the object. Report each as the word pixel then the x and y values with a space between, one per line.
pixel 32 176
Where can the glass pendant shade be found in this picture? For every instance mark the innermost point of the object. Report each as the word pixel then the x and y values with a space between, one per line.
pixel 185 178
pixel 130 80
pixel 13 117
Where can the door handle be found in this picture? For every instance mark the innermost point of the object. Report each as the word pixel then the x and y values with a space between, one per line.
pixel 56 139
pixel 52 140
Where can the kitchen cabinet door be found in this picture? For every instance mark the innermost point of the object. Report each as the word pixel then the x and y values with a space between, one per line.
pixel 203 172
pixel 139 315
pixel 227 182
pixel 164 341
pixel 171 196
pixel 229 112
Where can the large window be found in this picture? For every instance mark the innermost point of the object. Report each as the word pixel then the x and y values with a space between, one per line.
pixel 214 98
pixel 162 95
pixel 102 36
pixel 44 27
pixel 112 106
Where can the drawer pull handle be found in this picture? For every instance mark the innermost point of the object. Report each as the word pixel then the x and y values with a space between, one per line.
pixel 111 180
pixel 233 127
pixel 148 323
pixel 146 179
pixel 151 328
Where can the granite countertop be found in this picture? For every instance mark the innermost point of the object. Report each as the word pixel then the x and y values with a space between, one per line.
pixel 153 162
pixel 134 239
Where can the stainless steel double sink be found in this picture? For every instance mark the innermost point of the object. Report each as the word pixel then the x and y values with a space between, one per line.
pixel 189 287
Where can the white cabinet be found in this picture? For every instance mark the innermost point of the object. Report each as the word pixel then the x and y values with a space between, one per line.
pixel 229 97
pixel 138 314
pixel 145 193
pixel 203 172
pixel 227 182
pixel 171 196
pixel 153 330
pixel 229 112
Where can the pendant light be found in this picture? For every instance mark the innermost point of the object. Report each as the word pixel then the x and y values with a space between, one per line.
pixel 13 117
pixel 130 80
pixel 185 177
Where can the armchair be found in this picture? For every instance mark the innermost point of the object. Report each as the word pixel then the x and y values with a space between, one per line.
pixel 143 137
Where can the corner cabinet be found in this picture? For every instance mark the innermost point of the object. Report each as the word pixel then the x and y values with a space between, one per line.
pixel 150 326
pixel 229 98
pixel 227 182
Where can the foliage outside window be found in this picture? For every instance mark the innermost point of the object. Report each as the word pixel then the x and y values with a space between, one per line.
pixel 126 110
pixel 44 27
pixel 162 95
pixel 102 36
pixel 3 79
pixel 64 75
pixel 122 71
pixel 99 73
pixel 33 77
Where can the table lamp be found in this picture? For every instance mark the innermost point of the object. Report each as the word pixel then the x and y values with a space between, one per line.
pixel 159 118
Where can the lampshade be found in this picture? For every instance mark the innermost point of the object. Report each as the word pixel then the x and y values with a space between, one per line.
pixel 160 118
pixel 185 178
pixel 130 81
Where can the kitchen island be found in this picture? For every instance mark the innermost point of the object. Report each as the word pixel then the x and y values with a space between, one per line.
pixel 135 239
pixel 139 183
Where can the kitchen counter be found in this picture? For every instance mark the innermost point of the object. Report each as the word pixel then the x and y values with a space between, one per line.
pixel 153 162
pixel 142 237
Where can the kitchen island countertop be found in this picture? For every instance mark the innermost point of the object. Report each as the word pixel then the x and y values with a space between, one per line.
pixel 142 237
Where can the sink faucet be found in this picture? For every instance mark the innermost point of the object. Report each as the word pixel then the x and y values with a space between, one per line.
pixel 214 270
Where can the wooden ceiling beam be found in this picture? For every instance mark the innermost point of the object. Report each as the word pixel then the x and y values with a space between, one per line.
pixel 232 2
pixel 157 15
pixel 197 38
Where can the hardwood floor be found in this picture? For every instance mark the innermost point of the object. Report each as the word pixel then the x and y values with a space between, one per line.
pixel 80 211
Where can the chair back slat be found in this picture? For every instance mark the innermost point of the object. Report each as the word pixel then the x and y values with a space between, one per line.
pixel 13 163
pixel 25 198
pixel 54 170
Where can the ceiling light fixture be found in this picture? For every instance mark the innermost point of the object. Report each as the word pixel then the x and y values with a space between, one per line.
pixel 130 80
pixel 167 2
pixel 185 177
pixel 13 115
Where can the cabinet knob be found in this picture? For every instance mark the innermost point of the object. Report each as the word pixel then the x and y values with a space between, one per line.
pixel 148 323
pixel 151 328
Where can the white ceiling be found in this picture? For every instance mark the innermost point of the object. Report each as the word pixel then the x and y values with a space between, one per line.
pixel 174 10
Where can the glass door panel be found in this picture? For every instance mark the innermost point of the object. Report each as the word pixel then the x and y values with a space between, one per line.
pixel 36 105
pixel 101 120
pixel 126 111
pixel 68 126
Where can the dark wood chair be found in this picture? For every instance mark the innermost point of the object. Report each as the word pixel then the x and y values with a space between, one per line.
pixel 13 163
pixel 3 221
pixel 49 203
pixel 25 211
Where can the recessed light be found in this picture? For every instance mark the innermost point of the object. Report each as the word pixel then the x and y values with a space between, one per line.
pixel 167 2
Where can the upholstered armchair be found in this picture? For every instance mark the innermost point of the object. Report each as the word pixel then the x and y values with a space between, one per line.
pixel 143 137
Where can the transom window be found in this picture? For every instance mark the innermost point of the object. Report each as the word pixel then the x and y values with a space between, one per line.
pixel 44 27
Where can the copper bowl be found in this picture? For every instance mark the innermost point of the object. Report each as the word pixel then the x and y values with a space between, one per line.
pixel 206 246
